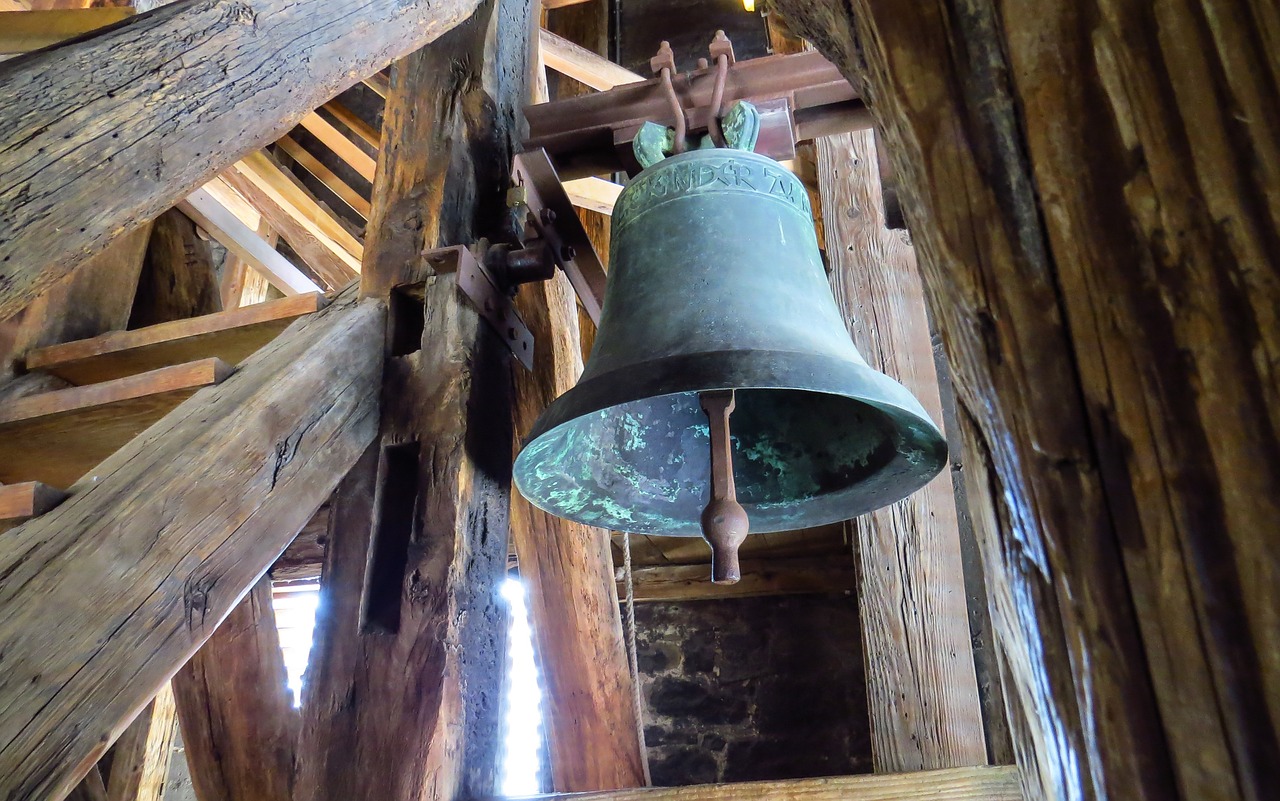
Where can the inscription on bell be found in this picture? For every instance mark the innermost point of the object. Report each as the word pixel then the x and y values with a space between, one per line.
pixel 675 178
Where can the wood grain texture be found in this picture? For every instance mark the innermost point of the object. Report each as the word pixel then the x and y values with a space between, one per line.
pixel 922 690
pixel 342 146
pixel 1092 190
pixel 111 592
pixel 178 279
pixel 162 103
pixel 140 758
pixel 408 662
pixel 955 784
pixel 241 284
pixel 90 788
pixel 568 570
pixel 60 436
pixel 239 727
pixel 230 336
pixel 582 64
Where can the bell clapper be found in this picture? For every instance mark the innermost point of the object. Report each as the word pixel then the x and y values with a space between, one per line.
pixel 724 521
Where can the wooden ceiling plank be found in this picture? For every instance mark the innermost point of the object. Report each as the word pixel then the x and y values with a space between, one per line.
pixel 230 335
pixel 23 31
pixel 954 784
pixel 326 176
pixel 581 64
pixel 759 577
pixel 129 615
pixel 140 757
pixel 399 670
pixel 78 141
pixel 239 727
pixel 347 150
pixel 353 123
pixel 245 242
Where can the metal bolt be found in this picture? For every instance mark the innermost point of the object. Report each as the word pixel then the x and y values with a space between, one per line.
pixel 548 216
pixel 568 253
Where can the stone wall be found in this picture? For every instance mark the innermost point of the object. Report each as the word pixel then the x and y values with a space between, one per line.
pixel 753 688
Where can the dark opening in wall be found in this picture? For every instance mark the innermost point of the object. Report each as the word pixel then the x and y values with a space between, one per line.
pixel 393 531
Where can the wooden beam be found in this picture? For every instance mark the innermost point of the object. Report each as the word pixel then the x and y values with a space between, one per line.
pixel 1106 323
pixel 230 336
pixel 347 150
pixel 957 784
pixel 583 65
pixel 91 788
pixel 178 278
pixel 239 727
pixel 911 594
pixel 242 240
pixel 140 758
pixel 279 434
pixel 759 577
pixel 418 539
pixel 20 502
pixel 293 212
pixel 24 31
pixel 57 437
pixel 242 285
pixel 118 113
pixel 568 569
pixel 326 176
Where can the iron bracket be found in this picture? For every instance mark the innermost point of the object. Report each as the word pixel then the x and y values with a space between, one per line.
pixel 486 294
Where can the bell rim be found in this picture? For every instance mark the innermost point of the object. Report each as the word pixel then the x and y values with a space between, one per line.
pixel 803 372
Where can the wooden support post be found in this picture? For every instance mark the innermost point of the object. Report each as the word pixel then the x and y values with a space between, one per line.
pixel 239 727
pixel 1087 199
pixel 177 278
pixel 402 697
pixel 921 687
pixel 140 758
pixel 92 632
pixel 568 568
pixel 112 139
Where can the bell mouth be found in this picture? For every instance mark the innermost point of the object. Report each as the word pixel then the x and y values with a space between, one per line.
pixel 815 440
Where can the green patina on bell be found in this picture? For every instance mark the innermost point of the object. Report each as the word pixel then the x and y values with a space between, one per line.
pixel 716 283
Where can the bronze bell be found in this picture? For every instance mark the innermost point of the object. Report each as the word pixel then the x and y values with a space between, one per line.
pixel 719 329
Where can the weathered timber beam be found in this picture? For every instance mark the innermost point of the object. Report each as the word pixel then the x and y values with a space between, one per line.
pixel 911 591
pixel 239 727
pixel 568 569
pixel 1086 200
pixel 100 133
pixel 140 758
pixel 793 576
pixel 245 242
pixel 278 435
pixel 954 784
pixel 408 659
pixel 24 31
pixel 293 212
pixel 581 64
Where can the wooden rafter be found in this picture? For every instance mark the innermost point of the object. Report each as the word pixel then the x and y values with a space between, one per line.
pixel 581 64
